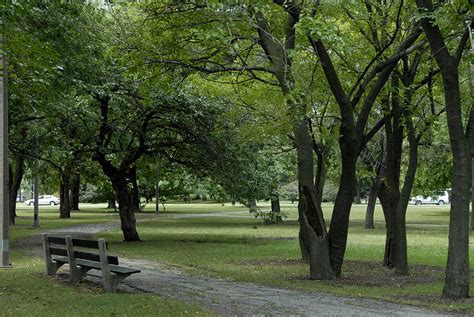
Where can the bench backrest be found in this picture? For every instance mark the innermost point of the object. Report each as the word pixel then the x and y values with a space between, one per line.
pixel 81 247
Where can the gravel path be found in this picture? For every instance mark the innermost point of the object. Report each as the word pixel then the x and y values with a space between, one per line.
pixel 229 298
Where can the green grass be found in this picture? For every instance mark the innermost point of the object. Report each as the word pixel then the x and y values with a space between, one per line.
pixel 244 249
pixel 49 218
pixel 247 250
pixel 200 207
pixel 26 291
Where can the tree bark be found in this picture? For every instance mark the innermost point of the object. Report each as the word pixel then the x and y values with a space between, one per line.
pixel 457 269
pixel 64 204
pixel 127 207
pixel 252 205
pixel 358 194
pixel 275 204
pixel 157 192
pixel 135 190
pixel 75 191
pixel 342 207
pixel 321 172
pixel 16 176
pixel 369 213
pixel 111 203
pixel 313 236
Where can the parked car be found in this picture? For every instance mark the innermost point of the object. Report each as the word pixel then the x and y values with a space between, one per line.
pixel 441 199
pixel 44 200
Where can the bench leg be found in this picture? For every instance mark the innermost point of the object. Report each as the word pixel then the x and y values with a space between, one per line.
pixel 52 267
pixel 115 280
pixel 77 273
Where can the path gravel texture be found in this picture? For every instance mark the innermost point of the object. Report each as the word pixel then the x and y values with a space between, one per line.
pixel 228 298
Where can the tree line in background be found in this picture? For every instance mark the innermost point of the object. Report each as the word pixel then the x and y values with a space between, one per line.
pixel 246 101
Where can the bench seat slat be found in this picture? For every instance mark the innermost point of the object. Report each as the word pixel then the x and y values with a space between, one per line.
pixel 96 265
pixel 61 259
pixel 113 268
pixel 95 257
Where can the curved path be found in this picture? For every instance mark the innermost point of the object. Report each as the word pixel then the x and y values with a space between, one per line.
pixel 228 298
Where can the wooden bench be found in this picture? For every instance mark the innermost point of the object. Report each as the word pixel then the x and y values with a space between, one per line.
pixel 76 252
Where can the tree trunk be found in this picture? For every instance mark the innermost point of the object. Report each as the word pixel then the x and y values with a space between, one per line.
pixel 321 172
pixel 457 269
pixel 276 205
pixel 111 203
pixel 369 213
pixel 135 190
pixel 233 200
pixel 400 256
pixel 395 247
pixel 75 191
pixel 252 205
pixel 342 207
pixel 64 204
pixel 275 201
pixel 127 207
pixel 16 176
pixel 358 195
pixel 157 192
pixel 313 236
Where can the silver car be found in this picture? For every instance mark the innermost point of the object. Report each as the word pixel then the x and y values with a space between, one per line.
pixel 44 200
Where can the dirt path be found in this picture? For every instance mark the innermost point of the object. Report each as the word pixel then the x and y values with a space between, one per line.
pixel 229 298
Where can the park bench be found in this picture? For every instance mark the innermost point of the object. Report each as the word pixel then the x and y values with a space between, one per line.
pixel 77 253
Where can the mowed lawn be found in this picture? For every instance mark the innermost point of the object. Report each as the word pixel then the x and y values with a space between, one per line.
pixel 240 248
pixel 245 249
pixel 25 290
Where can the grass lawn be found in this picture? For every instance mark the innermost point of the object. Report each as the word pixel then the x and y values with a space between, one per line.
pixel 243 249
pixel 26 291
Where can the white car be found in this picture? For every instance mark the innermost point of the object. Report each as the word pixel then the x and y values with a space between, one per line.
pixel 44 200
pixel 441 199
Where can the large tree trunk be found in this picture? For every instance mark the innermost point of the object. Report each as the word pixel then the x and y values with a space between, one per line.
pixel 75 191
pixel 457 269
pixel 16 176
pixel 313 233
pixel 342 207
pixel 395 247
pixel 127 207
pixel 64 204
pixel 400 256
